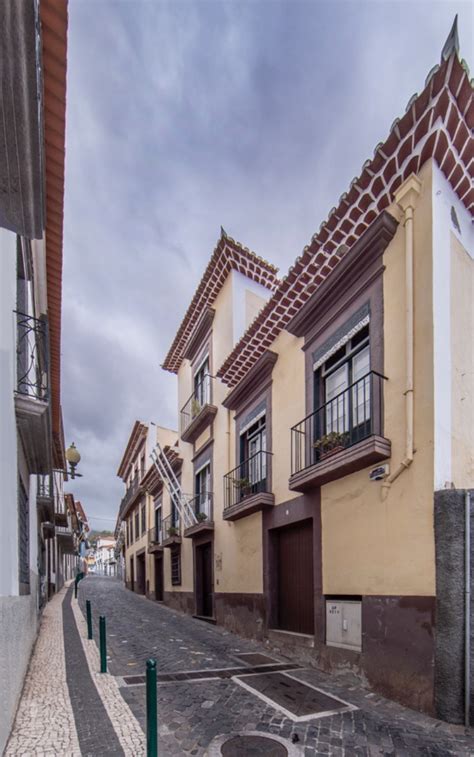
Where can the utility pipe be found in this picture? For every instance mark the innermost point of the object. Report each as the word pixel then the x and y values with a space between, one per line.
pixel 467 608
pixel 406 198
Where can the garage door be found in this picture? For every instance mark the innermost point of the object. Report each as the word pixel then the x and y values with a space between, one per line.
pixel 295 578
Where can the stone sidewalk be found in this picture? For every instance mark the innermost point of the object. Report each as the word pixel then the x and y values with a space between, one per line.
pixel 209 691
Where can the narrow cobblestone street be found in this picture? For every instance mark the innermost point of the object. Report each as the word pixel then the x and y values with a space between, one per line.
pixel 208 690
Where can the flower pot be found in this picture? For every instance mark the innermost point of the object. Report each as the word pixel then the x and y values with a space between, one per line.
pixel 331 452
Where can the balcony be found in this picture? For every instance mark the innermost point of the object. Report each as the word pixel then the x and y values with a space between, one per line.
pixel 247 487
pixel 343 436
pixel 66 540
pixel 171 528
pixel 131 494
pixel 32 391
pixel 202 506
pixel 155 540
pixel 198 412
pixel 44 498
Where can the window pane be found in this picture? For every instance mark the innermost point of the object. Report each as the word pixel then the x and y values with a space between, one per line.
pixel 361 387
pixel 337 401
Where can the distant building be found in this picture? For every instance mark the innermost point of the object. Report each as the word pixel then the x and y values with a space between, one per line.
pixel 104 555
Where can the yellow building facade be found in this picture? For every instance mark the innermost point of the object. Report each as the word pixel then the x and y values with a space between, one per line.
pixel 325 424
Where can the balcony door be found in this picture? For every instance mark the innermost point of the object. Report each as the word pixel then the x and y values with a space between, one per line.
pixel 344 383
pixel 201 387
pixel 158 522
pixel 203 490
pixel 253 445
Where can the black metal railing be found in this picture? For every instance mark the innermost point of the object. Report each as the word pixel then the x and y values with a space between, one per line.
pixel 202 507
pixel 155 535
pixel 44 488
pixel 32 357
pixel 171 526
pixel 252 476
pixel 131 492
pixel 200 397
pixel 348 418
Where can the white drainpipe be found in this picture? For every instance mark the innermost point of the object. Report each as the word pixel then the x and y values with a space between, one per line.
pixel 406 199
pixel 467 609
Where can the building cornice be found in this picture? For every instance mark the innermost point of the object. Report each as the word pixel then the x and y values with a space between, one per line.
pixel 255 378
pixel 364 252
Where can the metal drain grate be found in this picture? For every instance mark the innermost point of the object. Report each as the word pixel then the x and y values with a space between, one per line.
pixel 255 658
pixel 196 675
pixel 250 746
pixel 297 699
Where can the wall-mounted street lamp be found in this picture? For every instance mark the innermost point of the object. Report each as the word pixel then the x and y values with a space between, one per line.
pixel 73 458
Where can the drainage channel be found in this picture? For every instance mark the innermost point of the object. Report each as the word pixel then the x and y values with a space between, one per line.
pixel 222 673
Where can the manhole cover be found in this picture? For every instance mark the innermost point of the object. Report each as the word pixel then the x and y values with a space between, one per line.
pixel 255 658
pixel 247 746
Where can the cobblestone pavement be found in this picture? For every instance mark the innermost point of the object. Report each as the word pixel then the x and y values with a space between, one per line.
pixel 193 713
pixel 44 723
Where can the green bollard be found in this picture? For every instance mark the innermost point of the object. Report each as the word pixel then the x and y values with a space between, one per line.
pixel 89 618
pixel 103 645
pixel 151 710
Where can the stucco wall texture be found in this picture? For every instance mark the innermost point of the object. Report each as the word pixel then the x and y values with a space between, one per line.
pixel 449 508
pixel 15 650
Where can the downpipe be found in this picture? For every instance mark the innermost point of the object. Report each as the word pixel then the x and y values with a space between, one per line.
pixel 405 198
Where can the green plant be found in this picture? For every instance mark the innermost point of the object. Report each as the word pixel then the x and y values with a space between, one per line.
pixel 331 441
pixel 195 407
pixel 200 517
pixel 172 531
pixel 242 483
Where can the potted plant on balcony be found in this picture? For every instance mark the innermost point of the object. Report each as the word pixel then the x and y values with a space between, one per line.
pixel 195 407
pixel 200 517
pixel 331 443
pixel 244 486
pixel 172 531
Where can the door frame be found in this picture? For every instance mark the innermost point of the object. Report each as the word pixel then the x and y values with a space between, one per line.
pixel 158 559
pixel 200 542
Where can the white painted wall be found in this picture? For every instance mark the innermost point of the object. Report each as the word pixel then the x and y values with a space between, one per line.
pixel 443 200
pixel 8 434
pixel 241 284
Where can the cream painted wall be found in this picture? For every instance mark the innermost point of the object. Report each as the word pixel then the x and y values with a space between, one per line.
pixel 462 359
pixel 288 408
pixel 371 546
pixel 253 305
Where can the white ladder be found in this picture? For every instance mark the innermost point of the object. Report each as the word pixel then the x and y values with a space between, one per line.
pixel 168 476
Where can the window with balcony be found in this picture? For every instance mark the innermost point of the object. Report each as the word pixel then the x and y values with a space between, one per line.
pixel 203 491
pixel 143 518
pixel 175 567
pixel 247 487
pixel 344 433
pixel 198 412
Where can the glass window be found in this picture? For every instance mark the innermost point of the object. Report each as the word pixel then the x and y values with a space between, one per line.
pixel 175 567
pixel 201 387
pixel 203 490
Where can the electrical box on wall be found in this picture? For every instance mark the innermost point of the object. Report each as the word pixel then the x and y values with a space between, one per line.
pixel 344 624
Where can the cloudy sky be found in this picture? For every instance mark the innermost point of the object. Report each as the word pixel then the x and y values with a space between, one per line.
pixel 183 116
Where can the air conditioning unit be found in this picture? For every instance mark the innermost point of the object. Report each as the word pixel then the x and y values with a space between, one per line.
pixel 344 624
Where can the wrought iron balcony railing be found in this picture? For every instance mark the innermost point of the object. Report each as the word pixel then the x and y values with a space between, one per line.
pixel 171 526
pixel 198 400
pixel 32 357
pixel 202 506
pixel 44 486
pixel 353 415
pixel 131 492
pixel 155 535
pixel 249 478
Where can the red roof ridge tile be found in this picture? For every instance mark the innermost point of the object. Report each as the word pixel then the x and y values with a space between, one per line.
pixel 420 134
pixel 228 255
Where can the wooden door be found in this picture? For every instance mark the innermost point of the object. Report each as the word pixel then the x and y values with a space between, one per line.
pixel 295 578
pixel 204 584
pixel 159 578
pixel 132 574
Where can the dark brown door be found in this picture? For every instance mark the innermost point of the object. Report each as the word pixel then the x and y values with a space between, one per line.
pixel 204 598
pixel 159 578
pixel 132 574
pixel 295 578
pixel 141 577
